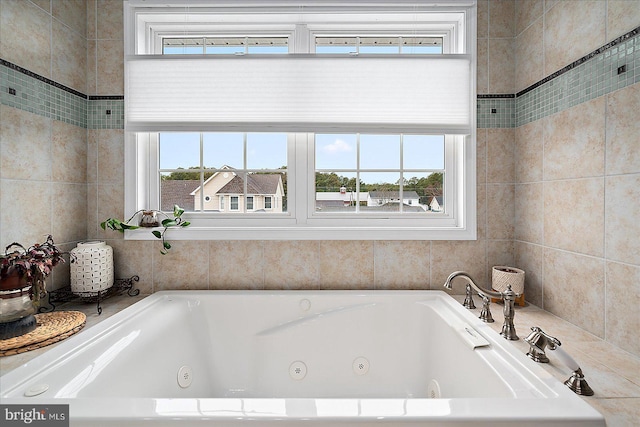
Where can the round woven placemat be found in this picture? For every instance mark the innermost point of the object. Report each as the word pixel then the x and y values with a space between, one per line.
pixel 52 327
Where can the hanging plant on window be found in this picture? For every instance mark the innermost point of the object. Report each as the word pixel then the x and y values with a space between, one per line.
pixel 147 220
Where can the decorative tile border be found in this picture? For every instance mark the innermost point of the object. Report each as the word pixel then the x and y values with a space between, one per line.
pixel 28 91
pixel 612 67
pixel 609 68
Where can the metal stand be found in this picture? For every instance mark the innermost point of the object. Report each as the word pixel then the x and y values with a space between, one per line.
pixel 64 294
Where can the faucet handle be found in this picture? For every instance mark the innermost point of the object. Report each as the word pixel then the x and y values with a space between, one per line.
pixel 538 341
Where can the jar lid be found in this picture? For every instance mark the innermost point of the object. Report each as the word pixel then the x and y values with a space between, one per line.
pixel 91 243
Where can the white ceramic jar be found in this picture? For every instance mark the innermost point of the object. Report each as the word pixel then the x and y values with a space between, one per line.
pixel 92 269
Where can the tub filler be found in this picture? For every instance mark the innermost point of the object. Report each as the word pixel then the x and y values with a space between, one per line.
pixel 295 358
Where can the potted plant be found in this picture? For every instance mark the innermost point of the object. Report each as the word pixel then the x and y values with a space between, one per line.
pixel 23 274
pixel 148 219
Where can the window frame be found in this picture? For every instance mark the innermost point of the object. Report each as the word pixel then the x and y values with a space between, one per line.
pixel 301 221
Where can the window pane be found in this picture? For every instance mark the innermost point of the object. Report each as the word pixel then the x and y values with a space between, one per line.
pixel 380 151
pixel 223 149
pixel 266 150
pixel 423 187
pixel 335 151
pixel 336 192
pixel 224 50
pixel 423 151
pixel 176 190
pixel 179 150
pixel 268 49
pixel 383 189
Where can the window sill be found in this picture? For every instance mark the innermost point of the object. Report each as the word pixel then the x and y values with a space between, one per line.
pixel 309 233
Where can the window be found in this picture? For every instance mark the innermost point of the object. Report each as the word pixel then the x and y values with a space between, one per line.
pixel 345 122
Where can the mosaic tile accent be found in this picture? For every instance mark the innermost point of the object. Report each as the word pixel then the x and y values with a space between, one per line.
pixel 105 112
pixel 28 91
pixel 496 111
pixel 612 67
pixel 609 68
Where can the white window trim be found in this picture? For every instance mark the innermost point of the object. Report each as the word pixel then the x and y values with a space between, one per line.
pixel 301 221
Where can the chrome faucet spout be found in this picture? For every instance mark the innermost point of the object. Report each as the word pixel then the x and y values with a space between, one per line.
pixel 508 297
pixel 481 291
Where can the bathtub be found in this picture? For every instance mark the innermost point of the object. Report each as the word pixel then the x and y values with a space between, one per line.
pixel 294 358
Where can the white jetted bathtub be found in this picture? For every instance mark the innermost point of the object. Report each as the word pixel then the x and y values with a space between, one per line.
pixel 295 358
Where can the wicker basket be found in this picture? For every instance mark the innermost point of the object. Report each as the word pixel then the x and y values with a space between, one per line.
pixel 92 269
pixel 502 276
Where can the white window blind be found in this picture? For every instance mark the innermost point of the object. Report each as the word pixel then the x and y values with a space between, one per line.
pixel 299 93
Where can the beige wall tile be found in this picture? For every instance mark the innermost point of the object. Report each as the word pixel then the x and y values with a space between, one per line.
pixel 502 70
pixel 620 412
pixel 291 265
pixel 346 264
pixel 529 212
pixel 529 56
pixel 450 256
pixel 623 300
pixel 110 68
pixel 92 19
pixel 622 17
pixel 43 4
pixel 529 258
pixel 110 146
pixel 502 15
pixel 69 153
pixel 25 211
pixel 574 215
pixel 482 79
pixel 25 36
pixel 92 212
pixel 236 264
pixel 110 204
pixel 548 4
pixel 500 252
pixel 573 28
pixel 574 141
pixel 69 212
pixel 623 130
pixel 69 57
pixel 622 227
pixel 481 156
pixel 481 207
pixel 500 211
pixel 500 159
pixel 73 13
pixel 483 18
pixel 574 289
pixel 92 155
pixel 186 266
pixel 402 264
pixel 25 150
pixel 529 152
pixel 109 19
pixel 135 258
pixel 92 71
pixel 527 11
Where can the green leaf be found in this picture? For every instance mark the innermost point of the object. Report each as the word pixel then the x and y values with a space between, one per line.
pixel 166 245
pixel 177 211
pixel 168 223
pixel 103 225
pixel 157 234
pixel 185 224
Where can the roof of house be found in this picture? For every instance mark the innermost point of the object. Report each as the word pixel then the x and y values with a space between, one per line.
pixel 437 199
pixel 178 192
pixel 392 194
pixel 256 184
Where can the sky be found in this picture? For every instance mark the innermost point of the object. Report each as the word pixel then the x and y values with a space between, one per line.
pixel 333 153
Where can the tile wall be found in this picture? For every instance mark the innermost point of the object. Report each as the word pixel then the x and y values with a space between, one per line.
pixel 535 208
pixel 577 159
